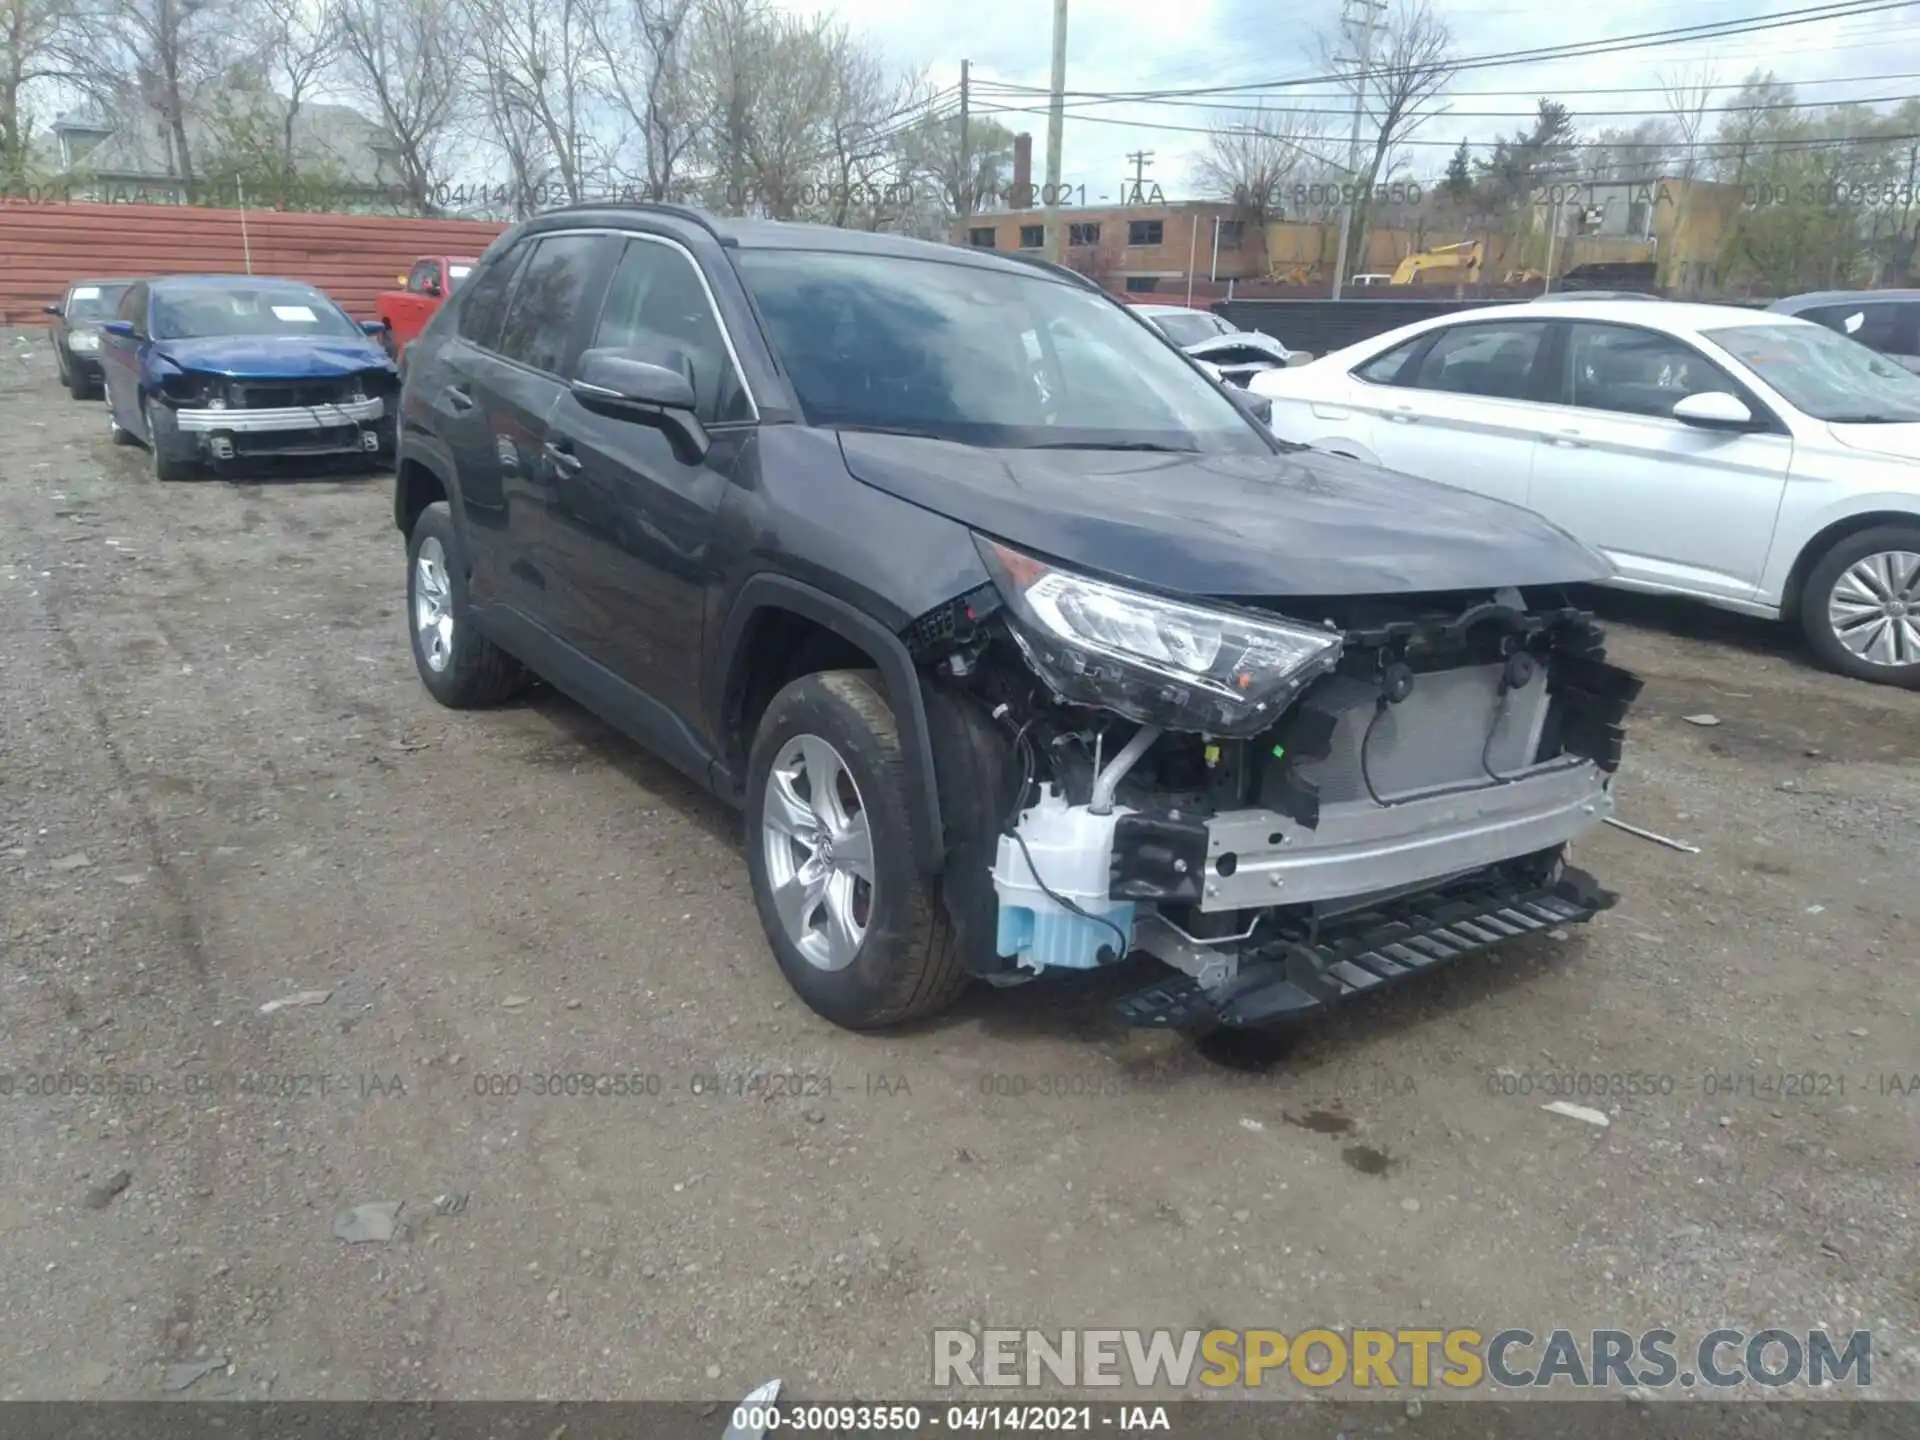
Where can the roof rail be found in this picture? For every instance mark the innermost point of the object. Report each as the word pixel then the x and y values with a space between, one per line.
pixel 664 207
pixel 1065 272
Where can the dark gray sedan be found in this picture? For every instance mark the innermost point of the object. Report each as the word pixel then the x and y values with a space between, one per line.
pixel 75 332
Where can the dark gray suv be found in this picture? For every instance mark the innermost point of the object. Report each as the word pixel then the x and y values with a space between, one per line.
pixel 1021 644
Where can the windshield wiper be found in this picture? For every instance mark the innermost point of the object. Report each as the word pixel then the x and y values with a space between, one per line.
pixel 912 430
pixel 1152 445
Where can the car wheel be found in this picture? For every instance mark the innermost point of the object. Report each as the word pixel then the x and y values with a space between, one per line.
pixel 858 931
pixel 116 431
pixel 79 386
pixel 460 667
pixel 1861 606
pixel 165 469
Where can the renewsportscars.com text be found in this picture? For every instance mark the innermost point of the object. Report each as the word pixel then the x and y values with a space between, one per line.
pixel 1459 1359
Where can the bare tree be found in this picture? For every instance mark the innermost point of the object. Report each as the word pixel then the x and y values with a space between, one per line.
pixel 647 49
pixel 406 61
pixel 1258 158
pixel 541 65
pixel 294 45
pixel 1688 92
pixel 155 59
pixel 732 55
pixel 35 41
pixel 1634 152
pixel 1411 65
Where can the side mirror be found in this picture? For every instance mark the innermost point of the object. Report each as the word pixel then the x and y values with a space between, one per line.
pixel 53 310
pixel 1260 407
pixel 122 328
pixel 432 287
pixel 1298 357
pixel 373 327
pixel 1713 410
pixel 622 385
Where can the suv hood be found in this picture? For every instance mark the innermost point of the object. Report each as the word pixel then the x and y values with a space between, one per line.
pixel 254 357
pixel 1300 523
pixel 1900 441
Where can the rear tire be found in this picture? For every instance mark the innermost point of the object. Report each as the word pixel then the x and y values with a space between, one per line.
pixel 904 963
pixel 1860 607
pixel 460 667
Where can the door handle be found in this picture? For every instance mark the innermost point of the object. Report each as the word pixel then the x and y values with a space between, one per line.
pixel 457 398
pixel 561 457
pixel 1570 439
pixel 1403 415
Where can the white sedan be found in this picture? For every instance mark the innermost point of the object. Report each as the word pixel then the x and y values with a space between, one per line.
pixel 1757 462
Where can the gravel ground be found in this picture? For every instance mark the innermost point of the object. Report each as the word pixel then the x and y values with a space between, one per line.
pixel 221 784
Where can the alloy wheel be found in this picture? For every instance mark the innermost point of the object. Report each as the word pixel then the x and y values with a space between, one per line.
pixel 819 852
pixel 433 604
pixel 1874 608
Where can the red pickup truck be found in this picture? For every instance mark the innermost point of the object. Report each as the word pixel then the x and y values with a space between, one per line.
pixel 405 312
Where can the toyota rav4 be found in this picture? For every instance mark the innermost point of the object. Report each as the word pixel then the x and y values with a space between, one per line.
pixel 1020 643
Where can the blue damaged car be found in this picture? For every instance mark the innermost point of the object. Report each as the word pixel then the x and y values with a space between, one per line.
pixel 214 369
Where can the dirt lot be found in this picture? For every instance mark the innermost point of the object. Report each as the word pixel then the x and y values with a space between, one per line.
pixel 221 784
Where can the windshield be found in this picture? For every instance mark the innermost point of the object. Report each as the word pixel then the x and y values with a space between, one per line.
pixel 205 311
pixel 93 302
pixel 980 356
pixel 1189 327
pixel 1824 374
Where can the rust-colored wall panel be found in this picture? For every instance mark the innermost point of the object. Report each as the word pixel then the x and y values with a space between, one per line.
pixel 352 257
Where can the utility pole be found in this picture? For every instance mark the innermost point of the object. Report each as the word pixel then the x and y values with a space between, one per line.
pixel 1369 11
pixel 1140 159
pixel 966 153
pixel 1056 119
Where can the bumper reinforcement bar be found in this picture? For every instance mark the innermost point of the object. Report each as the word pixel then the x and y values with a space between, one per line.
pixel 291 417
pixel 1364 952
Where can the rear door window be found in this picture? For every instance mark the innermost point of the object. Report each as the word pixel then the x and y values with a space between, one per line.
pixel 485 305
pixel 547 300
pixel 1495 360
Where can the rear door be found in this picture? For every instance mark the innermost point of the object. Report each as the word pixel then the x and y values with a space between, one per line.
pixel 459 384
pixel 527 373
pixel 640 518
pixel 1462 405
pixel 1674 506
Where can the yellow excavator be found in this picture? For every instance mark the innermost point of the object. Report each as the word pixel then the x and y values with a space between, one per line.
pixel 1444 264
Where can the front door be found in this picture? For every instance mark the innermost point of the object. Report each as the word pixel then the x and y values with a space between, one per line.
pixel 1675 507
pixel 641 518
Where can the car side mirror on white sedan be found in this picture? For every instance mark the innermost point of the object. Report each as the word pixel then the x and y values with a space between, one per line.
pixel 1714 410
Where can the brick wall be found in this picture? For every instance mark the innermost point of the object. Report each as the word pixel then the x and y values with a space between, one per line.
pixel 351 257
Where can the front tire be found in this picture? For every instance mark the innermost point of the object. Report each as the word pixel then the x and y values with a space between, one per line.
pixel 460 667
pixel 79 385
pixel 857 929
pixel 1861 606
pixel 166 470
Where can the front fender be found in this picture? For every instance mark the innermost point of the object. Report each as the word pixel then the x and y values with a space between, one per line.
pixel 780 592
pixel 1792 540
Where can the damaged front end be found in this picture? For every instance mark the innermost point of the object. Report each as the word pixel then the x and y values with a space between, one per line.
pixel 1289 801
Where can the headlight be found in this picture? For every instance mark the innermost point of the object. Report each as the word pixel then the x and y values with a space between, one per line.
pixel 1159 661
pixel 83 340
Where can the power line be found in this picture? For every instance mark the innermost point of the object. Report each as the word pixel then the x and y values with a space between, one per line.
pixel 1578 49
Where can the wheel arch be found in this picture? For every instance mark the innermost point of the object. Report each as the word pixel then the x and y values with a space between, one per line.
pixel 1824 540
pixel 417 483
pixel 778 615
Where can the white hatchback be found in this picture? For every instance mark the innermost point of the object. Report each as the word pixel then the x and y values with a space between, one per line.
pixel 1757 462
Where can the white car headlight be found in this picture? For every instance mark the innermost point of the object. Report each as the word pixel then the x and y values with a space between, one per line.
pixel 83 340
pixel 1160 661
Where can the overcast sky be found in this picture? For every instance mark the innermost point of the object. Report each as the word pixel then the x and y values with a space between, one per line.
pixel 1127 45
